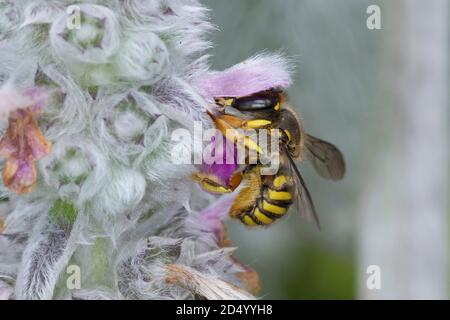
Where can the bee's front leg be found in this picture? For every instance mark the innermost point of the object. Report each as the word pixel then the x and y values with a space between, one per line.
pixel 230 127
pixel 214 184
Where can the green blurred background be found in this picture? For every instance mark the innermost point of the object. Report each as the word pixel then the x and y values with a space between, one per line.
pixel 348 88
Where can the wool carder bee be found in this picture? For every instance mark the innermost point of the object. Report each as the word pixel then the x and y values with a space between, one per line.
pixel 264 199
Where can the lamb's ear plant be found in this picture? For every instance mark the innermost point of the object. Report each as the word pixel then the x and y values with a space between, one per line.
pixel 90 94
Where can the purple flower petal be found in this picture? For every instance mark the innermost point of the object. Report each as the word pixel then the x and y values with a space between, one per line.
pixel 213 216
pixel 228 165
pixel 256 74
pixel 23 142
pixel 19 175
pixel 38 96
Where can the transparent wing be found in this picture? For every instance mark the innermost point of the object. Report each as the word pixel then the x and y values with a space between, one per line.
pixel 326 158
pixel 303 201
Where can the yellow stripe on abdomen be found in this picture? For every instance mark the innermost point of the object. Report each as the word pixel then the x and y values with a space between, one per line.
pixel 274 209
pixel 248 221
pixel 280 195
pixel 261 217
pixel 280 181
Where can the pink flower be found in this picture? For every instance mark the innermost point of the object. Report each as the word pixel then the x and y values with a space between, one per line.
pixel 225 168
pixel 23 142
pixel 256 74
pixel 212 217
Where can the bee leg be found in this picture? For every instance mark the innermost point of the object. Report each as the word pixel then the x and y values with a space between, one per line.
pixel 228 126
pixel 212 184
pixel 226 121
pixel 237 122
pixel 235 180
pixel 246 199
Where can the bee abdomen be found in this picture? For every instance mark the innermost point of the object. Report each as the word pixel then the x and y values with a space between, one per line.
pixel 268 209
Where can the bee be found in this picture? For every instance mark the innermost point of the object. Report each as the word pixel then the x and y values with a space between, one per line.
pixel 264 199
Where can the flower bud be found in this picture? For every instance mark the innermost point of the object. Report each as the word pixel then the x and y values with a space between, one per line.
pixel 144 57
pixel 86 34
